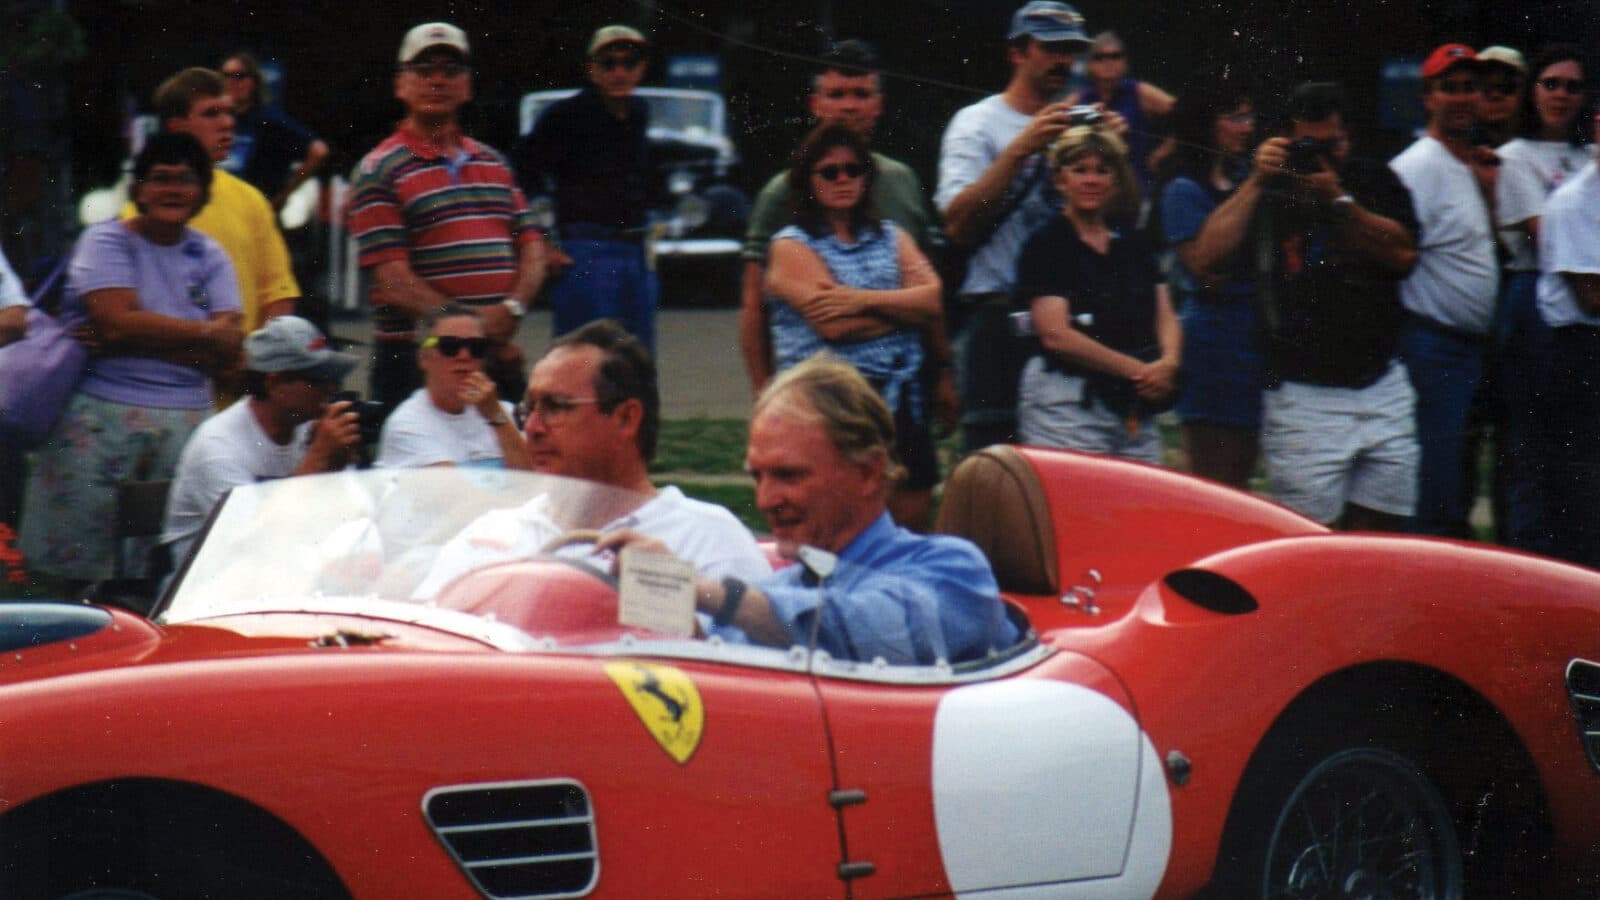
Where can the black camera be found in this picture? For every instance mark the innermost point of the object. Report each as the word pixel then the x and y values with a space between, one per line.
pixel 1083 115
pixel 1307 154
pixel 369 415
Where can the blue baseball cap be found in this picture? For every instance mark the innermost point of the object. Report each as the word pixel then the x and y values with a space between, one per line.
pixel 1046 20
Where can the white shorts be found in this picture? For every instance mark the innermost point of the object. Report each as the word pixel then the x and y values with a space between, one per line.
pixel 1051 413
pixel 1326 447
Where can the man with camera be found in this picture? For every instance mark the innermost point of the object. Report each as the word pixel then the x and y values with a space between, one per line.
pixel 994 191
pixel 284 425
pixel 1331 237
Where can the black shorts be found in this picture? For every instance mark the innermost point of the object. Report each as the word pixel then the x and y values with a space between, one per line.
pixel 913 443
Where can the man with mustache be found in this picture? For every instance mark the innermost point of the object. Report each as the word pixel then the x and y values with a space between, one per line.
pixel 1450 296
pixel 994 191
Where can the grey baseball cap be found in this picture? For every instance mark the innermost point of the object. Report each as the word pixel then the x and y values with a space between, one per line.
pixel 1046 20
pixel 291 344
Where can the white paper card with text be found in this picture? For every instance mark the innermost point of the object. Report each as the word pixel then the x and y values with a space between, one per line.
pixel 656 592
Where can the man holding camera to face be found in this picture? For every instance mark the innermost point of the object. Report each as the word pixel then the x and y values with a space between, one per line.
pixel 1331 238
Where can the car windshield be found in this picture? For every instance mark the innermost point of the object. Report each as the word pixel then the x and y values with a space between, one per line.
pixel 391 535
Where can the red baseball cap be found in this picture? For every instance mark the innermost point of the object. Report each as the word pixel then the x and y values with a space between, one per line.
pixel 1448 57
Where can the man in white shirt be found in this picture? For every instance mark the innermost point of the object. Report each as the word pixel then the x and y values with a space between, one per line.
pixel 1450 296
pixel 284 425
pixel 457 417
pixel 594 412
pixel 1569 302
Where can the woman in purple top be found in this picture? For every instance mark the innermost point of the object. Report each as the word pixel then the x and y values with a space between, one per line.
pixel 163 310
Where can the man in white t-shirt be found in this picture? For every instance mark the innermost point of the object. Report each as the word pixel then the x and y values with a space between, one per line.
pixel 1450 296
pixel 284 425
pixel 594 412
pixel 1569 302
pixel 457 417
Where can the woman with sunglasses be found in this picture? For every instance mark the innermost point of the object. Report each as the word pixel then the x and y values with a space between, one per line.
pixel 1109 340
pixel 841 279
pixel 1553 146
pixel 457 417
pixel 163 317
pixel 1141 103
pixel 1219 391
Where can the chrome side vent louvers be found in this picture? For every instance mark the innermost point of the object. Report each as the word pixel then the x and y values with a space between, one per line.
pixel 518 839
pixel 1583 687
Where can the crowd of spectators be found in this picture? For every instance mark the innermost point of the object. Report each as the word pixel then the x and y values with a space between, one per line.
pixel 1091 259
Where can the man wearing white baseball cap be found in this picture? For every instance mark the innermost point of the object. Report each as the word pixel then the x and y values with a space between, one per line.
pixel 284 425
pixel 437 216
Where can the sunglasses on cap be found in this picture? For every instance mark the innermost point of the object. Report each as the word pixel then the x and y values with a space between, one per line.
pixel 449 345
pixel 833 171
pixel 1572 86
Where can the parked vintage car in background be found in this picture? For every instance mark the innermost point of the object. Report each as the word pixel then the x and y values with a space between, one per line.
pixel 697 215
pixel 386 684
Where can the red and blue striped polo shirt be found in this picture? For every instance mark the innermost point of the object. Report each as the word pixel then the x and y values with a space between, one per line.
pixel 457 220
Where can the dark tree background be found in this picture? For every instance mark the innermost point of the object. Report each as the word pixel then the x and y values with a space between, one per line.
pixel 73 71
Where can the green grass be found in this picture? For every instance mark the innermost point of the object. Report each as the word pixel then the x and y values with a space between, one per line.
pixel 702 446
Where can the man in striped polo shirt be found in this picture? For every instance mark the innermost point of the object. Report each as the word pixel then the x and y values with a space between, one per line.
pixel 437 216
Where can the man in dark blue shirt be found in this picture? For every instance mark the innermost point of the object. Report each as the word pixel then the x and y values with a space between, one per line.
pixel 592 148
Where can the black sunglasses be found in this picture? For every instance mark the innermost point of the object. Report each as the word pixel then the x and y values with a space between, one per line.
pixel 1498 88
pixel 449 345
pixel 832 171
pixel 621 61
pixel 1107 54
pixel 1572 86
pixel 436 69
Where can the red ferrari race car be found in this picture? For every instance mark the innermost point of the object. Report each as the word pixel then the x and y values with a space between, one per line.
pixel 391 684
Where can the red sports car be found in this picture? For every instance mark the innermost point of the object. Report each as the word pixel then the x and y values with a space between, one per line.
pixel 393 685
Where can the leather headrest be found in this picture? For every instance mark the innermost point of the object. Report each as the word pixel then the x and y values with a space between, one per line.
pixel 994 499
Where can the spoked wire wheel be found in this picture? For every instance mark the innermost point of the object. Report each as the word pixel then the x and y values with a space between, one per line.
pixel 1363 825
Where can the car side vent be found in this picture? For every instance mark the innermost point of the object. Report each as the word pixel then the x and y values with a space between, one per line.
pixel 1583 687
pixel 518 839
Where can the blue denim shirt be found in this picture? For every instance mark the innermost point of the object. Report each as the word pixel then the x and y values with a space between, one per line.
pixel 907 597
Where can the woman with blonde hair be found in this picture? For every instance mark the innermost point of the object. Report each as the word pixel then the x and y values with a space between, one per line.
pixel 1109 341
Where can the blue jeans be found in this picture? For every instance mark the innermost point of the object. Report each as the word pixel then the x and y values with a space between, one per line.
pixel 608 280
pixel 1445 368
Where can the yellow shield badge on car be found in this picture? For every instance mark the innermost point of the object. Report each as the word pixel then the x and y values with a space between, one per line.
pixel 666 701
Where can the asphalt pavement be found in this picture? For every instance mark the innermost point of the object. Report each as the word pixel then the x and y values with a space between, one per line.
pixel 702 374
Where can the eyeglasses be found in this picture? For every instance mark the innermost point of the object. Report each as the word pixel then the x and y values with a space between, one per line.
pixel 237 76
pixel 1248 118
pixel 1572 86
pixel 832 171
pixel 171 179
pixel 1453 88
pixel 449 345
pixel 551 408
pixel 436 69
pixel 1105 55
pixel 859 93
pixel 618 61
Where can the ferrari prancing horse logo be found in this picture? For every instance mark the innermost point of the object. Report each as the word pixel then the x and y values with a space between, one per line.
pixel 666 701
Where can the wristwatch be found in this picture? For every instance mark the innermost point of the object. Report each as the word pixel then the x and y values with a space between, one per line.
pixel 516 309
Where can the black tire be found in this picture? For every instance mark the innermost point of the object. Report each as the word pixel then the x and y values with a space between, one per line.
pixel 1360 823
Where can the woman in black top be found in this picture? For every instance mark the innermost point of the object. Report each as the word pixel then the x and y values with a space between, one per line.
pixel 1109 340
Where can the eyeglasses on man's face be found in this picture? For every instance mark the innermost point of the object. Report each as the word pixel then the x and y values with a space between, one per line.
pixel 610 61
pixel 436 69
pixel 1498 88
pixel 551 408
pixel 449 345
pixel 184 178
pixel 1458 86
